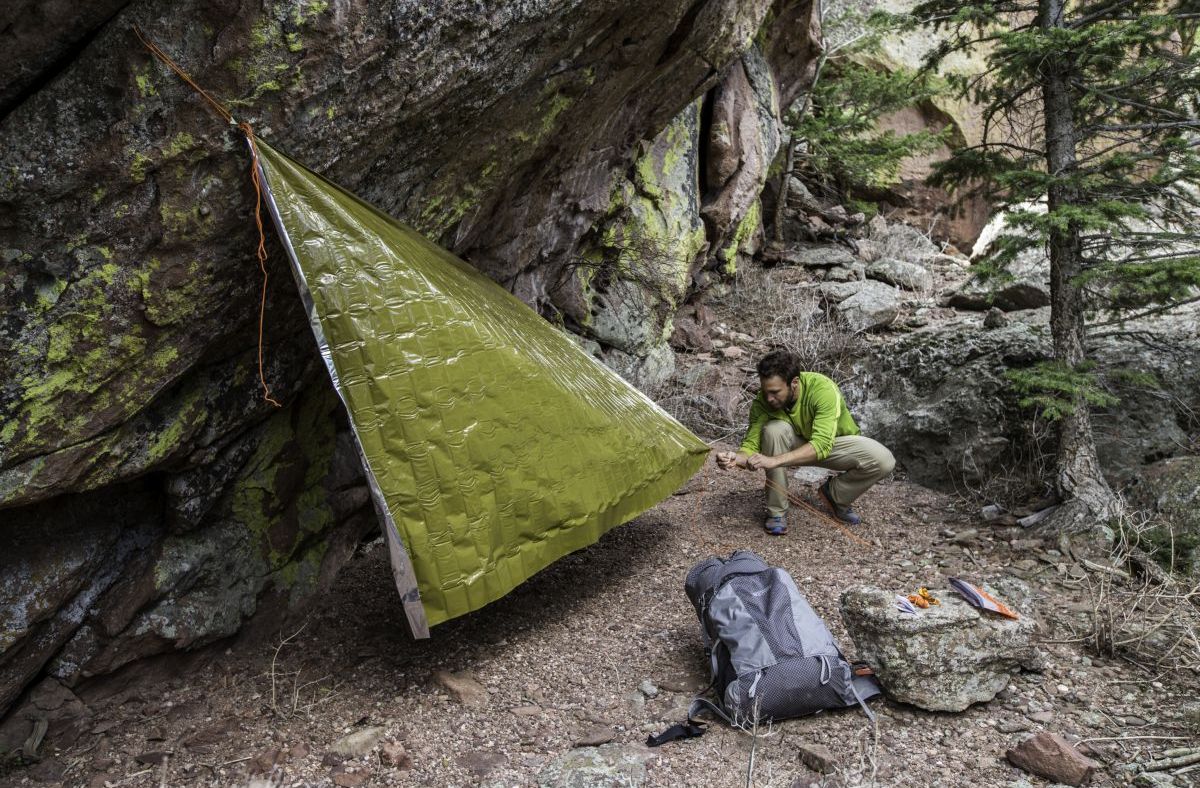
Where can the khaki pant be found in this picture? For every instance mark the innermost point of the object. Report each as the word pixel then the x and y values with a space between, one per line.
pixel 862 461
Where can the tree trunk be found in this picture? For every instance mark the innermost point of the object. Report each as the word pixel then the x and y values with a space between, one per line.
pixel 1088 499
pixel 789 162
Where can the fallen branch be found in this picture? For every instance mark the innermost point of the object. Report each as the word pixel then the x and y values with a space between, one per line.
pixel 1171 763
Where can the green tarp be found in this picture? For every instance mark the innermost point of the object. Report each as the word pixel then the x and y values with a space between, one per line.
pixel 492 443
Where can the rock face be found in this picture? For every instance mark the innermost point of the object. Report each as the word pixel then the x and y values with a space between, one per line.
pixel 1170 491
pixel 945 657
pixel 152 500
pixel 939 399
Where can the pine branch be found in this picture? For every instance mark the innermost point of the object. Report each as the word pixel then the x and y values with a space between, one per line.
pixel 1158 310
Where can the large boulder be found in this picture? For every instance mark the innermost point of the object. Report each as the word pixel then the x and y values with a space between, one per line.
pixel 864 306
pixel 945 657
pixel 152 499
pixel 940 399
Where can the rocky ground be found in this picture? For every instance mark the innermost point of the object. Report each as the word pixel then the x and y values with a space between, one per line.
pixel 560 683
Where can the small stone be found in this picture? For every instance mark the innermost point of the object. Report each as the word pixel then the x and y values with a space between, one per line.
pixel 1190 714
pixel 357 744
pixel 1050 756
pixel 817 757
pixel 595 736
pixel 393 754
pixel 266 760
pixel 526 711
pixel 1013 726
pixel 648 689
pixel 299 752
pixel 154 758
pixel 733 352
pixel 350 779
pixel 1042 717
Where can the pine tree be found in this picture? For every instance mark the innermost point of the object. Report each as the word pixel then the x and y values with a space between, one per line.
pixel 1090 141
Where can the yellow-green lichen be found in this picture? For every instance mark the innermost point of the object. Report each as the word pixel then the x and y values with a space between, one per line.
pixel 137 169
pixel 745 229
pixel 145 86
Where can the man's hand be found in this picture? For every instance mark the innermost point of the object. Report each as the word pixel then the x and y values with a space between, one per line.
pixel 761 462
pixel 728 459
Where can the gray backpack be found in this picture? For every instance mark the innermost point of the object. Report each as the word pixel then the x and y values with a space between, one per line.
pixel 772 657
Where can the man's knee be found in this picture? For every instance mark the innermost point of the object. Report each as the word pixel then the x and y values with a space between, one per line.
pixel 877 462
pixel 887 463
pixel 777 438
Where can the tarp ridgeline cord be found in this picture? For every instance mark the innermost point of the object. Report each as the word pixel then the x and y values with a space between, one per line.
pixel 255 178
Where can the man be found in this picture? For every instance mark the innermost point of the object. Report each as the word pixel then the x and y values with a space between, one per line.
pixel 800 418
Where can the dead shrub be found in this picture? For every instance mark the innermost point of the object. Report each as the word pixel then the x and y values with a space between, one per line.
pixel 1140 613
pixel 786 311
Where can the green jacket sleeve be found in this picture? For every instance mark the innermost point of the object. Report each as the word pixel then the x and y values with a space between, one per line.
pixel 827 407
pixel 758 417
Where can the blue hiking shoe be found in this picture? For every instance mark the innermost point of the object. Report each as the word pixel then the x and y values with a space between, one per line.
pixel 843 513
pixel 776 525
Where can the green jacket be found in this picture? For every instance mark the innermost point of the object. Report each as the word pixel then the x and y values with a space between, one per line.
pixel 819 415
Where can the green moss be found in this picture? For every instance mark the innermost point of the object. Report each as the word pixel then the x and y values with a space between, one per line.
pixel 166 441
pixel 8 431
pixel 137 170
pixel 180 143
pixel 145 87
pixel 303 12
pixel 262 32
pixel 301 435
pixel 293 42
pixel 745 229
pixel 48 294
pixel 87 345
pixel 165 306
pixel 647 176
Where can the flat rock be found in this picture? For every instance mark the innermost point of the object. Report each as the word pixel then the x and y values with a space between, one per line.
pixel 358 743
pixel 946 657
pixel 595 736
pixel 818 256
pixel 873 305
pixel 837 292
pixel 910 276
pixel 818 757
pixel 463 687
pixel 609 766
pixel 1049 755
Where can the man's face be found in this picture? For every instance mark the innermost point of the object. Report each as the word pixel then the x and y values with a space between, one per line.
pixel 780 395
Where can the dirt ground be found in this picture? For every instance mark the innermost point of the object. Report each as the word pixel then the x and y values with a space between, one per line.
pixel 562 660
pixel 560 682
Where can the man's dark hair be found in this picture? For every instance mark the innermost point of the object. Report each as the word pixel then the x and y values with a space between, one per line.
pixel 779 364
